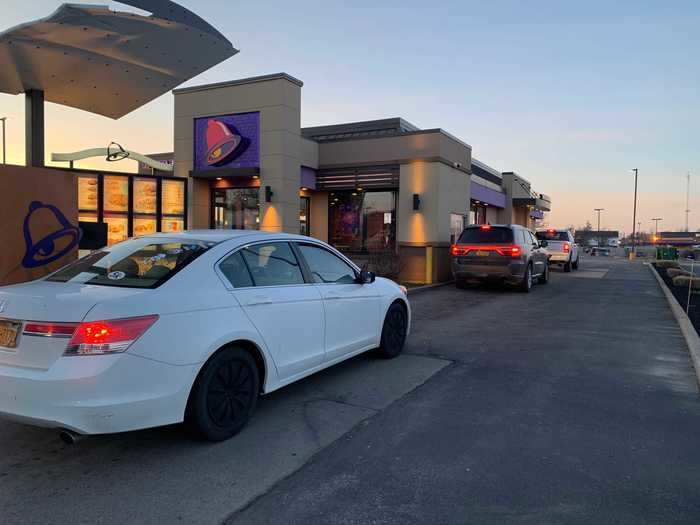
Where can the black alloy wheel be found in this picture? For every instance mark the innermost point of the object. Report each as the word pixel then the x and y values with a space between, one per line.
pixel 544 278
pixel 526 284
pixel 224 396
pixel 393 332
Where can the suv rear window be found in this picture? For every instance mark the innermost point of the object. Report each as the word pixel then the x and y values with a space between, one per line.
pixel 552 236
pixel 137 263
pixel 492 235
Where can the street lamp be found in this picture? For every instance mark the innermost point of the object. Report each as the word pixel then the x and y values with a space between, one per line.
pixel 634 213
pixel 599 210
pixel 3 119
pixel 656 228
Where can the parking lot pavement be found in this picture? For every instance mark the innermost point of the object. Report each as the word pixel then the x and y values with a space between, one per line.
pixel 160 476
pixel 576 403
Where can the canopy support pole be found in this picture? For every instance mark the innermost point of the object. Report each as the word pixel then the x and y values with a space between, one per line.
pixel 34 128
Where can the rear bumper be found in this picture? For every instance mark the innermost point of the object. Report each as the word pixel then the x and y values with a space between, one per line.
pixel 511 273
pixel 559 258
pixel 97 394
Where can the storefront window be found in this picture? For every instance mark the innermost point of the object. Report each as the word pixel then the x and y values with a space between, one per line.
pixel 456 226
pixel 362 221
pixel 477 213
pixel 236 209
pixel 172 206
pixel 304 217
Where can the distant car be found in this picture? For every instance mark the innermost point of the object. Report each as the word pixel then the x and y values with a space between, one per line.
pixel 508 254
pixel 614 243
pixel 189 327
pixel 561 248
pixel 605 252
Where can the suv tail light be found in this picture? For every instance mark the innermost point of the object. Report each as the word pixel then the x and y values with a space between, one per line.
pixel 511 250
pixel 567 247
pixel 108 337
pixel 457 250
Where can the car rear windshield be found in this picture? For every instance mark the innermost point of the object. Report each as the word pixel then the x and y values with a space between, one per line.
pixel 492 235
pixel 553 236
pixel 137 263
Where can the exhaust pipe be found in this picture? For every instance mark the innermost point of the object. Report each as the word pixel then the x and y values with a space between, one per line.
pixel 69 437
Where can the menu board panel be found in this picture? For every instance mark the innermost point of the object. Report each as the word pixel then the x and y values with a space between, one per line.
pixel 87 217
pixel 145 195
pixel 144 225
pixel 117 229
pixel 170 225
pixel 173 197
pixel 116 193
pixel 87 193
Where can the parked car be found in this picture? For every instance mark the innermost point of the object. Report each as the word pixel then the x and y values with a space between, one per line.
pixel 604 252
pixel 503 253
pixel 186 327
pixel 561 248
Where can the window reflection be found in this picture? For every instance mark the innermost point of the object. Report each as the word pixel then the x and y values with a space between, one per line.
pixel 363 221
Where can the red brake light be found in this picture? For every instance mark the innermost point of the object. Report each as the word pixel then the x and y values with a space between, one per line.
pixel 49 329
pixel 108 337
pixel 457 250
pixel 485 226
pixel 551 230
pixel 567 247
pixel 510 251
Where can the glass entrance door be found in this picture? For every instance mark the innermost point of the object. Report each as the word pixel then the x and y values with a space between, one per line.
pixel 236 209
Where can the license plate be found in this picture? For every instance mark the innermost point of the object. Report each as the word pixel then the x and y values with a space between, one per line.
pixel 482 253
pixel 8 333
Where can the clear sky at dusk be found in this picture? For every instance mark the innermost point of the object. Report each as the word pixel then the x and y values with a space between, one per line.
pixel 571 95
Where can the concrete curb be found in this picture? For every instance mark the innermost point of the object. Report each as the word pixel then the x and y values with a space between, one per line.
pixel 689 333
pixel 427 287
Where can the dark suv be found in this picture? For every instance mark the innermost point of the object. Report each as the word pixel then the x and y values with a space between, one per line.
pixel 503 253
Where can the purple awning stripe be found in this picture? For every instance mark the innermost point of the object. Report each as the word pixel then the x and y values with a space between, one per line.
pixel 492 197
pixel 308 178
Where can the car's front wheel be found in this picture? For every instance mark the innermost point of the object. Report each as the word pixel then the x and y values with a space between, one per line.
pixel 224 395
pixel 393 332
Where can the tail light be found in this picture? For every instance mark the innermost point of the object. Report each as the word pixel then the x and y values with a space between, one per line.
pixel 567 247
pixel 108 337
pixel 513 250
pixel 510 251
pixel 49 329
pixel 457 250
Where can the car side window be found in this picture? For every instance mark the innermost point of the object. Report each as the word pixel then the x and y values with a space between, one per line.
pixel 524 239
pixel 326 267
pixel 236 271
pixel 533 239
pixel 272 264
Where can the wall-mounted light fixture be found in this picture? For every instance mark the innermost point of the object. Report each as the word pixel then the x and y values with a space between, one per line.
pixel 268 194
pixel 416 202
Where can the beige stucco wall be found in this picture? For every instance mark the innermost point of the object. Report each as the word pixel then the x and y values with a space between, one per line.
pixel 278 99
pixel 309 153
pixel 443 190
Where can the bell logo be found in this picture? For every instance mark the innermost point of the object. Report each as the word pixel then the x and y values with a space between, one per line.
pixel 60 241
pixel 222 144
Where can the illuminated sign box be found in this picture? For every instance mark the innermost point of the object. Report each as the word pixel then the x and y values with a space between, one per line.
pixel 227 142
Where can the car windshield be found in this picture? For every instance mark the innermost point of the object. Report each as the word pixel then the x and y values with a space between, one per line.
pixel 481 235
pixel 548 235
pixel 137 263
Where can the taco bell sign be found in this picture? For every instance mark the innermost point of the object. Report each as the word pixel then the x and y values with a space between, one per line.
pixel 227 141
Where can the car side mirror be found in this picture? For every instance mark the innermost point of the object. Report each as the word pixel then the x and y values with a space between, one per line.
pixel 544 244
pixel 365 277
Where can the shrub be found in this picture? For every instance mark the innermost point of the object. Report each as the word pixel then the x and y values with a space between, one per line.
pixel 675 272
pixel 667 264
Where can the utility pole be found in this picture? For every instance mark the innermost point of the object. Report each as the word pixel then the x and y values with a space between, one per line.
pixel 687 201
pixel 4 160
pixel 656 230
pixel 634 213
pixel 598 210
pixel 639 230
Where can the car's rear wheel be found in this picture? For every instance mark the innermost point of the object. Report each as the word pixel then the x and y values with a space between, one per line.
pixel 567 266
pixel 575 264
pixel 393 332
pixel 224 395
pixel 461 283
pixel 526 283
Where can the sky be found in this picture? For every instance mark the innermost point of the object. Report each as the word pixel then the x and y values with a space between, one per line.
pixel 571 95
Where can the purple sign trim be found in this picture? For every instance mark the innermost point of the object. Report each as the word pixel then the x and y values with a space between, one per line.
pixel 308 178
pixel 490 196
pixel 537 214
pixel 227 141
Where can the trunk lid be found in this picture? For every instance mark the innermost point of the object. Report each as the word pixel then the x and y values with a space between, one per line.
pixel 47 302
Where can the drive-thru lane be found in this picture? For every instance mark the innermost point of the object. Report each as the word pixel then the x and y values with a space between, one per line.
pixel 575 404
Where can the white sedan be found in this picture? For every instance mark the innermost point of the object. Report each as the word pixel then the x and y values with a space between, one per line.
pixel 186 327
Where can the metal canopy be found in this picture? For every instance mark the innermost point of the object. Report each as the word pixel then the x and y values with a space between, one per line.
pixel 109 62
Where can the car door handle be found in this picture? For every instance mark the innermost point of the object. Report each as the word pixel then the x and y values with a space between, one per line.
pixel 258 300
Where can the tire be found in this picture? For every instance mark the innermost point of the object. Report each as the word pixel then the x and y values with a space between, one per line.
pixel 526 284
pixel 224 395
pixel 575 264
pixel 567 266
pixel 461 284
pixel 393 332
pixel 544 278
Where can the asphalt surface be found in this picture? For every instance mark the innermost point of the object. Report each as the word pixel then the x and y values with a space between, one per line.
pixel 576 403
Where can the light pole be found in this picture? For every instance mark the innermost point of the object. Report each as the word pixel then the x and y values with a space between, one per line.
pixel 656 228
pixel 3 119
pixel 634 213
pixel 598 210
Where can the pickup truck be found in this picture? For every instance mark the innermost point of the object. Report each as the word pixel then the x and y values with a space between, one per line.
pixel 561 248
